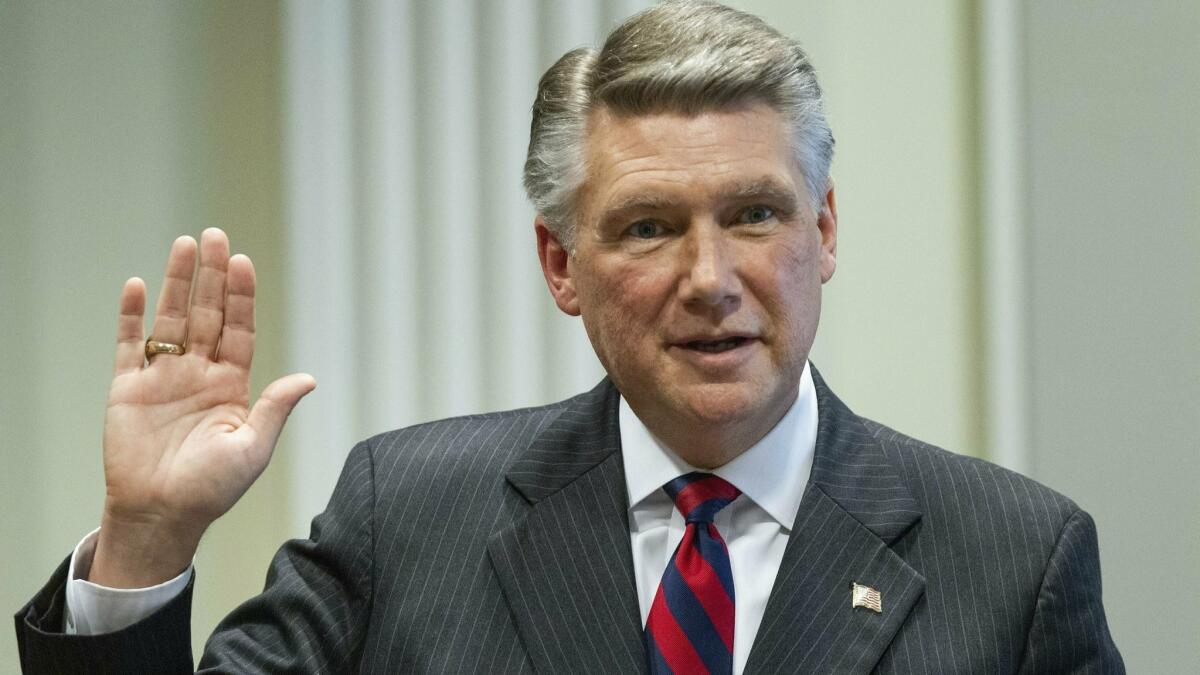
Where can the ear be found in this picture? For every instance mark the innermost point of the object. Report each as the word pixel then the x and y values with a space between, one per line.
pixel 556 268
pixel 827 224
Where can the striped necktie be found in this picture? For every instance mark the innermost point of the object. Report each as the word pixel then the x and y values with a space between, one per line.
pixel 690 627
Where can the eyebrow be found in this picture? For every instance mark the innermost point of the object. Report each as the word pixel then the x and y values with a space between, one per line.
pixel 767 188
pixel 643 201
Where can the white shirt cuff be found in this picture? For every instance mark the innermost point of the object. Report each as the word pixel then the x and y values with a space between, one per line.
pixel 93 609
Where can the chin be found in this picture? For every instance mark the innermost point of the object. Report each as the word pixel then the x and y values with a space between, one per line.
pixel 722 403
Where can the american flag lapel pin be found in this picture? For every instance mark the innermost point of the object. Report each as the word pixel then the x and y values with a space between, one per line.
pixel 865 597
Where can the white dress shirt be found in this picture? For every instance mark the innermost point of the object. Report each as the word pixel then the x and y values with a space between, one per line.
pixel 771 474
pixel 92 609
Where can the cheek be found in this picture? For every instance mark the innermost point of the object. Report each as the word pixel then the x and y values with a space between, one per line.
pixel 799 262
pixel 788 283
pixel 620 306
pixel 627 293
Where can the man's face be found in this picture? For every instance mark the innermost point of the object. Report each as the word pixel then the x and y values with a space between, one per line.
pixel 698 266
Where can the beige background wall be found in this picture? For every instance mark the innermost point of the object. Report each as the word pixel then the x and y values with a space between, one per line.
pixel 1114 255
pixel 123 124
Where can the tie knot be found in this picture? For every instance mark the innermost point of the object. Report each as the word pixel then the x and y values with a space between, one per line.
pixel 699 496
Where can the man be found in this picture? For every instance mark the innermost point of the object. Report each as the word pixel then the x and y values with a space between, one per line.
pixel 710 507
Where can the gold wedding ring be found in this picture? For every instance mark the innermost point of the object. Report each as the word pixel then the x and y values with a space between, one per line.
pixel 154 348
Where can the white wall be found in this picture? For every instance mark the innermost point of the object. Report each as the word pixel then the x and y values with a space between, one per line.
pixel 123 125
pixel 1114 263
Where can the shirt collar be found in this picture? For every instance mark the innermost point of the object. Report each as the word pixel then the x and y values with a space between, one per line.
pixel 773 472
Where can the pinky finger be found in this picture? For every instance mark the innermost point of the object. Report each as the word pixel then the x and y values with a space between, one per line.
pixel 130 348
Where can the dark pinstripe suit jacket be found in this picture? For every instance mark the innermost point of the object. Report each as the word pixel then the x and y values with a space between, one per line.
pixel 499 543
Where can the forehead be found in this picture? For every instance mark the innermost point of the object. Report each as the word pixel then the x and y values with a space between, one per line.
pixel 677 157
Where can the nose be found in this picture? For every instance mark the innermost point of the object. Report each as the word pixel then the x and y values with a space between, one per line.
pixel 709 275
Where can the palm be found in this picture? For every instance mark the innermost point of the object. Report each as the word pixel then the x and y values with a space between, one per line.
pixel 181 442
pixel 177 434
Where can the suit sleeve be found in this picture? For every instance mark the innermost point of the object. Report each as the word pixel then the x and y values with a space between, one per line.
pixel 160 642
pixel 1069 633
pixel 311 616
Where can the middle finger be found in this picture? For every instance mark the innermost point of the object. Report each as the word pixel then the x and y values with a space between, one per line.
pixel 207 313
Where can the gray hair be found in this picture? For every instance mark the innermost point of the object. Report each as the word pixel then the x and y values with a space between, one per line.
pixel 684 57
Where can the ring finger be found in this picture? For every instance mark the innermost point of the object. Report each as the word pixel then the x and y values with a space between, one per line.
pixel 170 316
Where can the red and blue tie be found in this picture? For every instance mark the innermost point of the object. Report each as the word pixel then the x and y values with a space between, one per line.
pixel 690 627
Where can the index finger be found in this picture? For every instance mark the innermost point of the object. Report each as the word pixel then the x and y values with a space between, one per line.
pixel 237 335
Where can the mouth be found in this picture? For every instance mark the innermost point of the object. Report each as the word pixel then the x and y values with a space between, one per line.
pixel 715 346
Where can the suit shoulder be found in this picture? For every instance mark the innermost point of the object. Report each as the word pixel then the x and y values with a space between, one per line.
pixel 468 444
pixel 943 481
pixel 464 433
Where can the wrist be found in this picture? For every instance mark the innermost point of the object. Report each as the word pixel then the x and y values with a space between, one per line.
pixel 141 554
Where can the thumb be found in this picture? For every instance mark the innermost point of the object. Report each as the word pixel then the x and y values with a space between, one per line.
pixel 276 403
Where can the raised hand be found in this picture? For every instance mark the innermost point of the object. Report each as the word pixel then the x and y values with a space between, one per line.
pixel 181 442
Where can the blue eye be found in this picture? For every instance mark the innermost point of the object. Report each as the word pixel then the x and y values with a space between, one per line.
pixel 757 214
pixel 646 229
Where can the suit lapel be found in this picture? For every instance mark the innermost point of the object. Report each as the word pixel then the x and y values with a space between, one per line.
pixel 855 506
pixel 566 568
pixel 567 573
